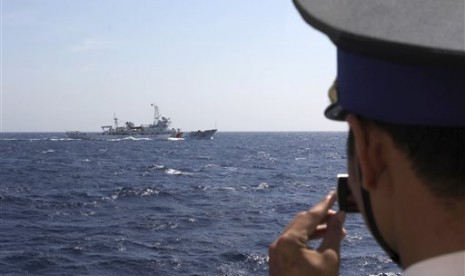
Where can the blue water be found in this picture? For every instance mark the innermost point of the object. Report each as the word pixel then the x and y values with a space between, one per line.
pixel 141 207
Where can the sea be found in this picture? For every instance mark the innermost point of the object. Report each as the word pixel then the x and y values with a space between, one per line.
pixel 145 207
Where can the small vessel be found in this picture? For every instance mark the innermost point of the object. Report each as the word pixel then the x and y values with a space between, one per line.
pixel 158 130
pixel 201 134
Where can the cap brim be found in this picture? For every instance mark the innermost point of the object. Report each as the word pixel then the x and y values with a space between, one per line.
pixel 335 112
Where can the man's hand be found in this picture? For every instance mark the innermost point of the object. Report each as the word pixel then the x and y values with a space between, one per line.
pixel 290 254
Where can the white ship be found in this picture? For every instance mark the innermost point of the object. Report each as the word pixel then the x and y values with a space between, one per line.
pixel 158 130
pixel 201 134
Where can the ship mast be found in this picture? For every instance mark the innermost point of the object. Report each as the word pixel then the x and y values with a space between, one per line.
pixel 116 120
pixel 156 114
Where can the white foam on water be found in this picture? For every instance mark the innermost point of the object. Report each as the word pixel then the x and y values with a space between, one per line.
pixel 173 172
pixel 262 186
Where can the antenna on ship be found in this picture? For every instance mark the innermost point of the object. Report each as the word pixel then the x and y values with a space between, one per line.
pixel 156 113
pixel 116 120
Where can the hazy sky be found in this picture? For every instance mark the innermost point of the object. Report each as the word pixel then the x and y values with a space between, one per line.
pixel 244 65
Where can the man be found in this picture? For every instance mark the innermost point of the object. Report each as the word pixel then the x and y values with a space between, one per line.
pixel 401 89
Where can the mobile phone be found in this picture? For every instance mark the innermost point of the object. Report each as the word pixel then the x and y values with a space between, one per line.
pixel 345 197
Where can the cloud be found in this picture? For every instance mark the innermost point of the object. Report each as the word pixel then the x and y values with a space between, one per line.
pixel 20 18
pixel 88 45
pixel 87 67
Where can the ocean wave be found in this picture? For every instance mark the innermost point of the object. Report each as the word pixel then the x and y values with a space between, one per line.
pixel 173 172
pixel 262 186
pixel 239 263
pixel 262 167
pixel 201 157
pixel 136 139
pixel 211 165
pixel 361 264
pixel 169 171
pixel 63 139
pixel 29 261
pixel 156 167
pixel 24 139
pixel 128 192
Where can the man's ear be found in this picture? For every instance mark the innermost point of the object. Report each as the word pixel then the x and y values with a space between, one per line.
pixel 368 151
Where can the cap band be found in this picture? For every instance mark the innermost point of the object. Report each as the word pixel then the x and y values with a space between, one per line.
pixel 401 93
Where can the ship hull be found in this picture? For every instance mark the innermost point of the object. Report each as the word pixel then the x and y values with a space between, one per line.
pixel 104 136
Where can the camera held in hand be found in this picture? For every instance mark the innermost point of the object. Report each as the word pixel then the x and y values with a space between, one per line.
pixel 345 197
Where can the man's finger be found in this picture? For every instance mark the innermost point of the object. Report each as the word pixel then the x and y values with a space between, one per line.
pixel 334 233
pixel 320 211
pixel 305 223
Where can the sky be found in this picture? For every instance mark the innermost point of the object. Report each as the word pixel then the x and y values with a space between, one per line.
pixel 238 65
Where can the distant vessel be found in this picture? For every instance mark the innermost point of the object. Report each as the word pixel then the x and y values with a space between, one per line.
pixel 201 134
pixel 158 130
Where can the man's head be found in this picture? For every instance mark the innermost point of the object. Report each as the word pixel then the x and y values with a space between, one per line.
pixel 401 88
